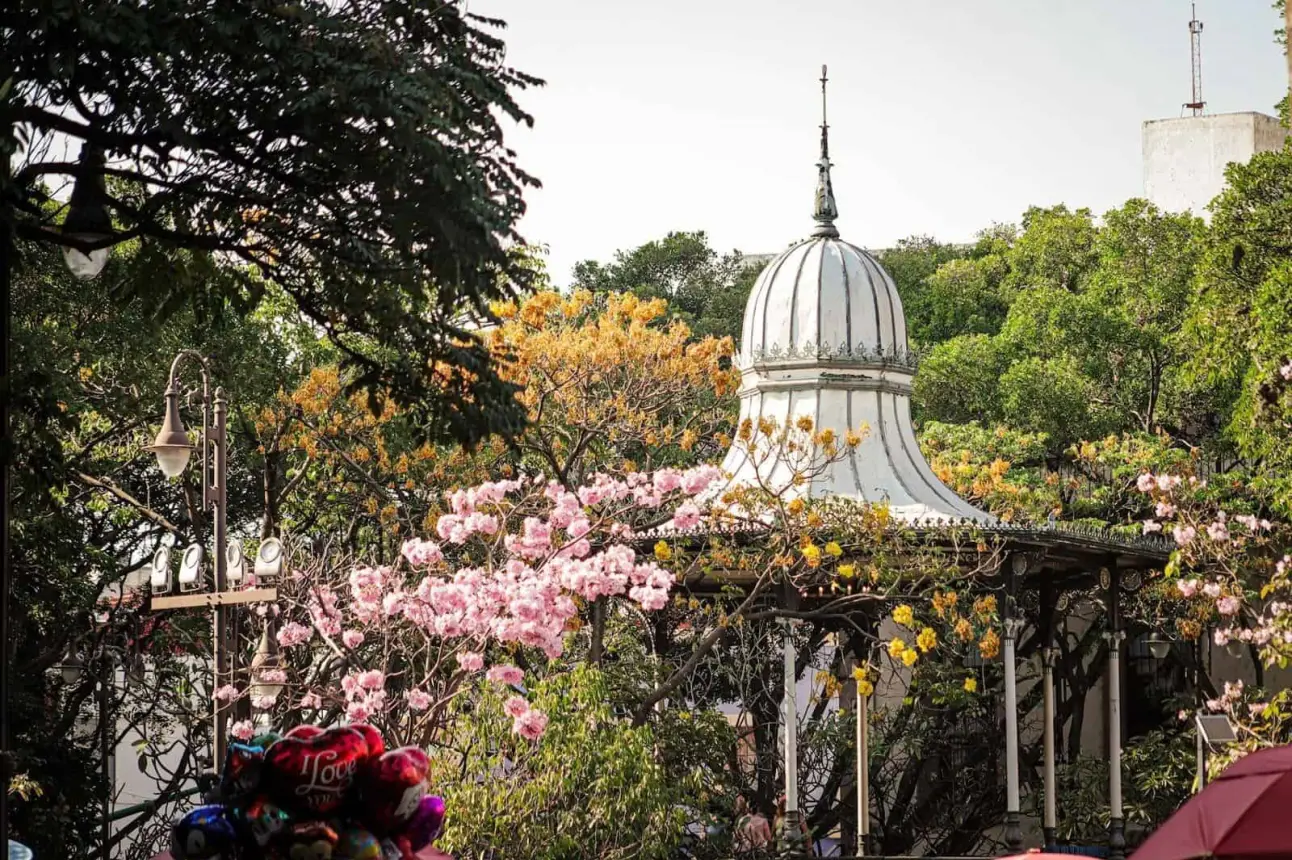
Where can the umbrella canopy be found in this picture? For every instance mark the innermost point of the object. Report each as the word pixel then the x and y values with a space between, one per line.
pixel 430 852
pixel 1244 815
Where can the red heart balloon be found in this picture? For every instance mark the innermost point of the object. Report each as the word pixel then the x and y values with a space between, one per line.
pixel 393 786
pixel 311 775
pixel 376 744
pixel 304 732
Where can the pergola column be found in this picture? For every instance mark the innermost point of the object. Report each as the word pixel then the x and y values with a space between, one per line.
pixel 1013 832
pixel 789 716
pixel 1049 654
pixel 1115 634
pixel 1049 822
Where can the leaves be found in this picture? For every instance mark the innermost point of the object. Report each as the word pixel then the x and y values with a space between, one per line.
pixel 350 153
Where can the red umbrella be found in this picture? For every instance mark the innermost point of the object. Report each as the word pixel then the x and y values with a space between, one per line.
pixel 1244 815
pixel 430 852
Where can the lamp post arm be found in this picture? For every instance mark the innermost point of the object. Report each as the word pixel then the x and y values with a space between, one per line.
pixel 208 468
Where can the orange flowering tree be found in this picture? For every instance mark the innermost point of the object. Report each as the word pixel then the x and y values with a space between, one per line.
pixel 611 383
pixel 608 384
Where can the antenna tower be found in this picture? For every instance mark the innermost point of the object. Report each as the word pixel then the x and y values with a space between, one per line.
pixel 1195 53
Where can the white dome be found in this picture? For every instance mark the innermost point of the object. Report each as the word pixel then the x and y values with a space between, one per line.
pixel 824 299
pixel 824 337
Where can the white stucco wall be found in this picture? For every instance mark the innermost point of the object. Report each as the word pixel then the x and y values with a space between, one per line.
pixel 1185 158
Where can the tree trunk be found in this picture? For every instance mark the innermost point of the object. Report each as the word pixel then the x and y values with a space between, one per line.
pixel 597 649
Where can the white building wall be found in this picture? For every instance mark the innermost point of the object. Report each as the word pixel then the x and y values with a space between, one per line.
pixel 1185 158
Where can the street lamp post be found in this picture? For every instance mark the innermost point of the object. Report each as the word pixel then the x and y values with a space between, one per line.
pixel 173 450
pixel 87 223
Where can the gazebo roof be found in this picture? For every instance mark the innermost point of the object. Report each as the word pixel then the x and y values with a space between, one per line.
pixel 824 339
pixel 1060 555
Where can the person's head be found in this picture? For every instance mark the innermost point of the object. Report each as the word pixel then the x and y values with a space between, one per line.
pixel 742 805
pixel 780 805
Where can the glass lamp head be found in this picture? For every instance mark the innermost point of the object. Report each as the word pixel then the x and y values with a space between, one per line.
pixel 171 445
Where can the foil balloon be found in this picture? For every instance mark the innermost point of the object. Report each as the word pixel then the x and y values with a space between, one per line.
pixel 311 775
pixel 376 744
pixel 262 820
pixel 264 739
pixel 205 833
pixel 241 774
pixel 357 843
pixel 426 824
pixel 312 840
pixel 391 851
pixel 393 786
pixel 304 732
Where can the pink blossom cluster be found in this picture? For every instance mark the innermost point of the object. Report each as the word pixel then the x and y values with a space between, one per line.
pixel 529 723
pixel 525 551
pixel 463 502
pixel 422 553
pixel 324 613
pixel 1233 693
pixel 292 634
pixel 1147 482
pixel 1227 605
pixel 506 675
pixel 365 694
pixel 369 588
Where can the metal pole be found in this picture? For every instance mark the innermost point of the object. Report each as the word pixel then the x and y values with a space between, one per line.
pixel 1050 820
pixel 8 254
pixel 791 724
pixel 863 773
pixel 105 752
pixel 1013 831
pixel 1197 698
pixel 1116 826
pixel 790 716
pixel 1287 28
pixel 222 649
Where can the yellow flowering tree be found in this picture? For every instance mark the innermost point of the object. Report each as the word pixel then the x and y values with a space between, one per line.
pixel 611 383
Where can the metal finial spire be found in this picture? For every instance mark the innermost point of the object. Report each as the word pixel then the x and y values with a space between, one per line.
pixel 825 210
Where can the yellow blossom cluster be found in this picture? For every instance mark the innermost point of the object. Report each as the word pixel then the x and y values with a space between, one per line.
pixel 944 602
pixel 989 645
pixel 927 640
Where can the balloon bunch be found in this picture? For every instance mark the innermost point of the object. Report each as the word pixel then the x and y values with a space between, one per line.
pixel 315 794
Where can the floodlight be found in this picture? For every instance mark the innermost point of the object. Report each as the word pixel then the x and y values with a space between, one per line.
pixel 190 568
pixel 269 561
pixel 160 576
pixel 233 562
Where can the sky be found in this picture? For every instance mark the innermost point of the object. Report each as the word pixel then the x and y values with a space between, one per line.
pixel 946 116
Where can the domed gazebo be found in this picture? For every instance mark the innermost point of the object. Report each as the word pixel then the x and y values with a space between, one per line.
pixel 824 335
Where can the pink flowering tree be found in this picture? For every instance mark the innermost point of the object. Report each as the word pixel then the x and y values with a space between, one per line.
pixel 1230 575
pixel 491 596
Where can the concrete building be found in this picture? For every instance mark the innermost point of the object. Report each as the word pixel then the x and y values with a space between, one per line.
pixel 1185 158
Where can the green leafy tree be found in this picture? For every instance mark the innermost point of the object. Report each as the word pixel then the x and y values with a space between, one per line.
pixel 88 508
pixel 593 786
pixel 959 380
pixel 1239 326
pixel 350 153
pixel 1056 248
pixel 707 289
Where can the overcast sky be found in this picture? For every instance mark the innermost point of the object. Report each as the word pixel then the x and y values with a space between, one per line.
pixel 945 115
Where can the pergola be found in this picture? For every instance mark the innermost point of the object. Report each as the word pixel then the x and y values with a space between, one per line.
pixel 824 337
pixel 1048 563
